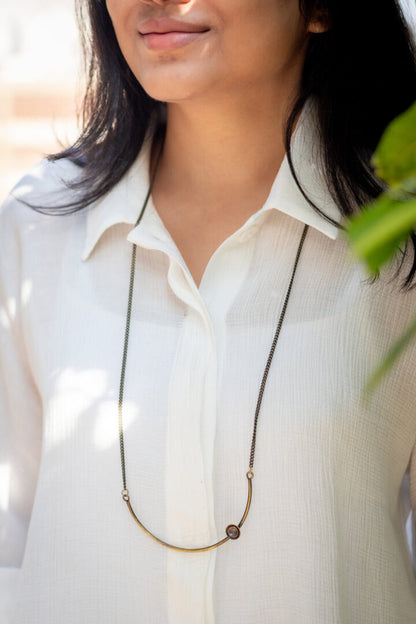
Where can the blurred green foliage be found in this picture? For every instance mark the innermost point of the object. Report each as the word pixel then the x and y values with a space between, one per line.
pixel 382 227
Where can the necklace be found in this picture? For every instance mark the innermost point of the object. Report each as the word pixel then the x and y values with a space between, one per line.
pixel 232 531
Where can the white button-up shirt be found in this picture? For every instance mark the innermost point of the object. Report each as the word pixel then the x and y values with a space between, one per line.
pixel 325 541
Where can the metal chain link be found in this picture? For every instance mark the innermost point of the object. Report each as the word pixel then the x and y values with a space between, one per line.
pixel 273 348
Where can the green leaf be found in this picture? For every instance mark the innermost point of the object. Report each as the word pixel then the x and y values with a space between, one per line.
pixel 376 233
pixel 408 186
pixel 391 357
pixel 395 158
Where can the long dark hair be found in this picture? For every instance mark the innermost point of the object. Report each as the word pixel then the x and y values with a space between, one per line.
pixel 361 73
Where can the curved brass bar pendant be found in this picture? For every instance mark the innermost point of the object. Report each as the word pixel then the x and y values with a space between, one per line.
pixel 232 531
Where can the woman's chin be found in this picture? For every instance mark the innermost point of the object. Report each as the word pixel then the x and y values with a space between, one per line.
pixel 173 85
pixel 170 93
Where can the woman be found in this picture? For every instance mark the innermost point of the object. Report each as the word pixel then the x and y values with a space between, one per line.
pixel 225 139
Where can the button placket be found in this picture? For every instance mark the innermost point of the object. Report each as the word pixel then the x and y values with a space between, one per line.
pixel 189 505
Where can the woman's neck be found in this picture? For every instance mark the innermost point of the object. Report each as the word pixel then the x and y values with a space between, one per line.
pixel 224 150
pixel 216 170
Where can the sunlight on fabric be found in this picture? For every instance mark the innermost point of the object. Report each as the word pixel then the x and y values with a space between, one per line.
pixel 4 319
pixel 27 288
pixel 74 394
pixel 4 486
pixel 106 428
pixel 11 307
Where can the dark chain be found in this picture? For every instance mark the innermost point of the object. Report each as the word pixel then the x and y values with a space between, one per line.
pixel 233 531
pixel 273 349
pixel 127 330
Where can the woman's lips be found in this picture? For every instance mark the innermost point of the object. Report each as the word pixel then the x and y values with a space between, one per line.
pixel 170 40
pixel 167 34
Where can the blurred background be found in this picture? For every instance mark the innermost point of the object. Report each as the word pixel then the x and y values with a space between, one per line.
pixel 40 85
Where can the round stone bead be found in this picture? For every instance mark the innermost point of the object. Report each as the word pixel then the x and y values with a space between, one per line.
pixel 233 531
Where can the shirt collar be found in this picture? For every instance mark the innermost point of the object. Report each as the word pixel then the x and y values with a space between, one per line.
pixel 123 202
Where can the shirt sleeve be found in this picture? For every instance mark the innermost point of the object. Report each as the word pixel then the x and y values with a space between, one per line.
pixel 20 414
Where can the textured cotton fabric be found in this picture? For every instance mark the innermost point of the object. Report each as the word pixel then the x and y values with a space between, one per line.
pixel 325 541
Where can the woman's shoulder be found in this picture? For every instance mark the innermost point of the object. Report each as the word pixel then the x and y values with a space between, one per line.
pixel 44 187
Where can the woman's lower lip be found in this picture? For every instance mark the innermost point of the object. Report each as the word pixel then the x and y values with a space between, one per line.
pixel 170 40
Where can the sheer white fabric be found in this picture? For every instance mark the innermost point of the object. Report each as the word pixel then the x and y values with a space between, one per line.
pixel 325 541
